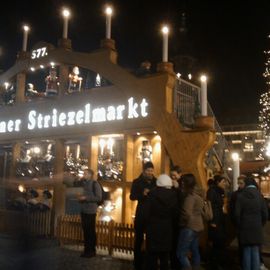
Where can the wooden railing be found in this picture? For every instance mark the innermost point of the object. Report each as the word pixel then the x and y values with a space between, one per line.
pixel 111 236
pixel 40 223
pixel 35 223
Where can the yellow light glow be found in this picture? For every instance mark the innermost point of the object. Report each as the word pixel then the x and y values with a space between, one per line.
pixel 108 10
pixel 235 156
pixel 26 28
pixel 66 12
pixel 203 78
pixel 36 150
pixel 6 85
pixel 21 188
pixel 165 29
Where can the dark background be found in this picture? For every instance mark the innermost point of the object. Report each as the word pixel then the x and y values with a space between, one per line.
pixel 227 37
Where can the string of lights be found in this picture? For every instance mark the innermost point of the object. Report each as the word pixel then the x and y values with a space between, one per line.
pixel 264 113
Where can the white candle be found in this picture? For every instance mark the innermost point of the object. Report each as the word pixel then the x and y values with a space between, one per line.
pixel 236 170
pixel 165 31
pixel 78 151
pixel 108 12
pixel 66 15
pixel 204 95
pixel 25 36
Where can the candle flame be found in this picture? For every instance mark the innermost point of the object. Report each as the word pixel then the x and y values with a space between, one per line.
pixel 165 29
pixel 26 28
pixel 108 10
pixel 66 12
pixel 203 78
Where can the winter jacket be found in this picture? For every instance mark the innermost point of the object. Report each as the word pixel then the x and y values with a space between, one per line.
pixel 137 188
pixel 250 216
pixel 93 194
pixel 160 207
pixel 191 212
pixel 232 204
pixel 216 196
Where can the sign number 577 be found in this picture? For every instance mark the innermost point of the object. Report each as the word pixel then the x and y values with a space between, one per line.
pixel 40 52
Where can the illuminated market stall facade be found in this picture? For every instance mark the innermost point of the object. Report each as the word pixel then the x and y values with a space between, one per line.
pixel 64 111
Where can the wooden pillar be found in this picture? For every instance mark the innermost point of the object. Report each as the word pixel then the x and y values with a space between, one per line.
pixel 156 155
pixel 127 175
pixel 16 153
pixel 59 199
pixel 165 160
pixel 59 194
pixel 93 153
pixel 128 158
pixel 63 79
pixel 59 159
pixel 20 87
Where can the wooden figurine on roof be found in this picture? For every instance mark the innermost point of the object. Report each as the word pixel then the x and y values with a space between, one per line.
pixel 52 83
pixel 75 81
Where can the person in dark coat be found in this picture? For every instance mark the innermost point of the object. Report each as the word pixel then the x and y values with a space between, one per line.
pixel 233 199
pixel 216 227
pixel 161 205
pixel 140 189
pixel 250 215
pixel 177 187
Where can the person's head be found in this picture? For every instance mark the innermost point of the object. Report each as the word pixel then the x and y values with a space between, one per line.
pixel 210 182
pixel 33 193
pixel 148 170
pixel 164 181
pixel 220 181
pixel 241 181
pixel 47 194
pixel 189 182
pixel 175 173
pixel 88 174
pixel 250 181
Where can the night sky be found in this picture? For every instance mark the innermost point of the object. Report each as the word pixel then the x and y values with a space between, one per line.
pixel 226 37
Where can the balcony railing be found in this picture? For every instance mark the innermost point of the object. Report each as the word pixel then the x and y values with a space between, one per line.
pixel 187 107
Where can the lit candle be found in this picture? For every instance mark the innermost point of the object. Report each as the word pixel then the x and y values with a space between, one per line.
pixel 108 12
pixel 66 14
pixel 78 151
pixel 165 31
pixel 67 151
pixel 25 36
pixel 236 169
pixel 204 95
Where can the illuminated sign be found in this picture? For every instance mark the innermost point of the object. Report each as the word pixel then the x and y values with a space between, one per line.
pixel 87 115
pixel 38 53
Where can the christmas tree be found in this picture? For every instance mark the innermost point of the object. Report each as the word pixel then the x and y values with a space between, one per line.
pixel 264 114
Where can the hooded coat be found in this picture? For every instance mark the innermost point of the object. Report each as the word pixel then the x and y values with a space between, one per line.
pixel 250 216
pixel 161 207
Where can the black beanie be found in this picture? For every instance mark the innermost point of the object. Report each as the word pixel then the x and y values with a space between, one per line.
pixel 147 165
pixel 249 181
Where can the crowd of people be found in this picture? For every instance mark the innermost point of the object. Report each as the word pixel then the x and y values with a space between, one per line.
pixel 170 215
pixel 32 200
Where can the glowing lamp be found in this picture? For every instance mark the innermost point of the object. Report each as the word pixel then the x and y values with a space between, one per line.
pixel 204 95
pixel 108 12
pixel 66 15
pixel 26 29
pixel 165 31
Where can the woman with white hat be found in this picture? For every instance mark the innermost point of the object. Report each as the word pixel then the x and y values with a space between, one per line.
pixel 161 205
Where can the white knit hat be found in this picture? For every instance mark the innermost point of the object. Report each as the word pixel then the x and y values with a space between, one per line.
pixel 164 181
